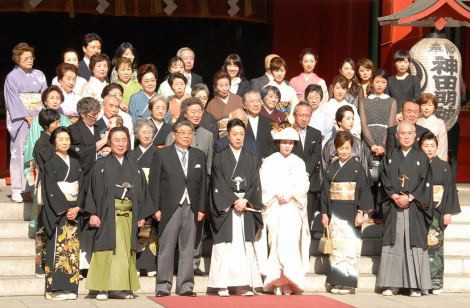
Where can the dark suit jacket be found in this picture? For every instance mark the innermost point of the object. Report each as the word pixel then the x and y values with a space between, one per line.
pixel 84 144
pixel 167 182
pixel 311 155
pixel 392 142
pixel 208 122
pixel 264 139
pixel 258 83
pixel 244 87
pixel 195 79
pixel 84 70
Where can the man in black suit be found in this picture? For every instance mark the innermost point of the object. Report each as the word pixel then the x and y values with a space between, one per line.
pixel 86 142
pixel 257 84
pixel 177 181
pixel 309 149
pixel 259 128
pixel 187 54
pixel 410 113
pixel 91 45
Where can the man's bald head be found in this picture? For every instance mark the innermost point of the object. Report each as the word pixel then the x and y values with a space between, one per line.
pixel 406 134
pixel 110 106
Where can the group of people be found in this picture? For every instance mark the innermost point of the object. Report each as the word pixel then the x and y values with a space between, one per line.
pixel 125 174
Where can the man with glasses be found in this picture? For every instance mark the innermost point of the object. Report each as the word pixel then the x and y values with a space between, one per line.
pixel 177 182
pixel 309 149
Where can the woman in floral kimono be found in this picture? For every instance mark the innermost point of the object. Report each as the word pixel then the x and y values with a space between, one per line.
pixel 345 196
pixel 63 201
pixel 446 202
pixel 286 217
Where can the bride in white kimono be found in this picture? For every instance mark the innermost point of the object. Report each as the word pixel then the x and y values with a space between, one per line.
pixel 284 182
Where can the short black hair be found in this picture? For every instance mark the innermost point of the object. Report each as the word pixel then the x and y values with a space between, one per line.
pixel 401 55
pixel 235 122
pixel 111 87
pixel 58 130
pixel 313 88
pixel 90 37
pixel 427 136
pixel 266 89
pixel 48 116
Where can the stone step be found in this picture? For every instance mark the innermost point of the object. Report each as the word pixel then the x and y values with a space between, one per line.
pixel 15 211
pixel 14 229
pixel 463 216
pixel 458 230
pixel 30 285
pixel 17 247
pixel 17 266
pixel 457 247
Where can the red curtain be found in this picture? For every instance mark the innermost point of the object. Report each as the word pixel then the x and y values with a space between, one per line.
pixel 336 29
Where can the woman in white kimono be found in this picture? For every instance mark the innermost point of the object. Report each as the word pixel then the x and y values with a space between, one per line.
pixel 287 223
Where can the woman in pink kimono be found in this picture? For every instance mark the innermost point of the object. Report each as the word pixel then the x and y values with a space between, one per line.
pixel 23 88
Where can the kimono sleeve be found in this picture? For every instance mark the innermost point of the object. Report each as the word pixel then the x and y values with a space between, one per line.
pixel 54 198
pixel 364 199
pixel 253 192
pixel 325 196
pixel 147 208
pixel 221 194
pixel 95 191
pixel 13 103
pixel 423 192
pixel 450 200
pixel 268 181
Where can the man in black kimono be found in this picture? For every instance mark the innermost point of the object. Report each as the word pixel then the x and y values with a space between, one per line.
pixel 86 142
pixel 177 182
pixel 309 149
pixel 408 211
pixel 410 113
pixel 259 128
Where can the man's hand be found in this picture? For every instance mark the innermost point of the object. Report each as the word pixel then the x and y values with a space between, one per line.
pixel 240 205
pixel 95 221
pixel 72 213
pixel 157 216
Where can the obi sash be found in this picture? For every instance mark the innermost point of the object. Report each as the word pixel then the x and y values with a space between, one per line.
pixel 342 191
pixel 31 101
pixel 69 189
pixel 437 192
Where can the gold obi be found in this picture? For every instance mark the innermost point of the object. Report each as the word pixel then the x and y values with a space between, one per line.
pixel 437 192
pixel 122 207
pixel 31 101
pixel 343 191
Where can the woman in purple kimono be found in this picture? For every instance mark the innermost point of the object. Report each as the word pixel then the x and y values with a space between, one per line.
pixel 23 88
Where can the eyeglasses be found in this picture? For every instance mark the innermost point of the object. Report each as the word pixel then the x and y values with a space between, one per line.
pixel 185 133
pixel 27 59
pixel 92 115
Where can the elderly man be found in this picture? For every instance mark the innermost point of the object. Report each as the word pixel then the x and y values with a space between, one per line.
pixel 187 54
pixel 178 178
pixel 408 211
pixel 192 110
pixel 410 113
pixel 257 84
pixel 111 109
pixel 86 142
pixel 259 127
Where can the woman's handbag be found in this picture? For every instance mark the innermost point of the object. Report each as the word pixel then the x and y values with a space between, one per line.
pixel 325 246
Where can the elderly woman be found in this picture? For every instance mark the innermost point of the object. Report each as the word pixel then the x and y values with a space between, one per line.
pixel 286 216
pixel 63 193
pixel 99 67
pixel 70 56
pixel 67 76
pixel 23 88
pixel 138 104
pixel 118 203
pixel 201 91
pixel 271 97
pixel 158 106
pixel 224 101
pixel 235 212
pixel 145 130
